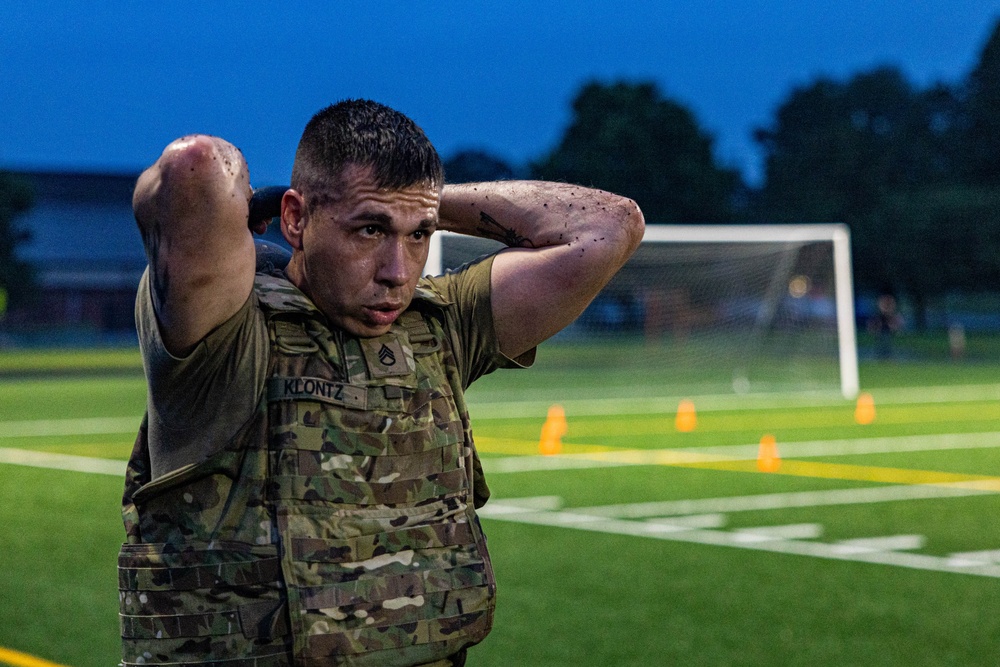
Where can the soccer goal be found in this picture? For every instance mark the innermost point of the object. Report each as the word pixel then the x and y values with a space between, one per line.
pixel 709 309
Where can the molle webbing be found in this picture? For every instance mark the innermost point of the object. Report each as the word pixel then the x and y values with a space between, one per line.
pixel 335 529
pixel 192 606
pixel 199 580
pixel 383 558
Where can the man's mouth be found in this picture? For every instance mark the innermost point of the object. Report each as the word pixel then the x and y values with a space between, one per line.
pixel 383 314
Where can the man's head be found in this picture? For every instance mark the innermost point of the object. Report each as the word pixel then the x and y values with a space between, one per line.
pixel 366 189
pixel 365 134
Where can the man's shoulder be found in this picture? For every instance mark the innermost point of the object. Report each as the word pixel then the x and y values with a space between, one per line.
pixel 431 293
pixel 457 285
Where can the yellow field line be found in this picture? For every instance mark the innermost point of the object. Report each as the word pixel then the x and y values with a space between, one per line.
pixel 18 659
pixel 858 473
pixel 694 459
pixel 511 446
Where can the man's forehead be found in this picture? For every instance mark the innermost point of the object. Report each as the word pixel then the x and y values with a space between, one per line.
pixel 357 181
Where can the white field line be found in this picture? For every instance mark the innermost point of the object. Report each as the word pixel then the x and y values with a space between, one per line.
pixel 794 531
pixel 65 427
pixel 25 457
pixel 886 543
pixel 770 539
pixel 747 452
pixel 690 521
pixel 117 425
pixel 988 556
pixel 781 501
pixel 53 427
pixel 483 407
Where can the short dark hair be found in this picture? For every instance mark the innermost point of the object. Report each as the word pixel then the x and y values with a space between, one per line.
pixel 367 134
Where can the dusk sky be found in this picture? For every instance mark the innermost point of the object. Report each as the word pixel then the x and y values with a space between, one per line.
pixel 105 85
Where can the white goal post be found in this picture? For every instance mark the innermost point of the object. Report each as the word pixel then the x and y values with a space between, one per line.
pixel 838 235
pixel 758 274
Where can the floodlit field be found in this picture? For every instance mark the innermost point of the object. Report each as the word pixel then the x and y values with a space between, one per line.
pixel 638 545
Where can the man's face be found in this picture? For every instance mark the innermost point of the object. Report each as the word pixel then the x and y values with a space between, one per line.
pixel 360 256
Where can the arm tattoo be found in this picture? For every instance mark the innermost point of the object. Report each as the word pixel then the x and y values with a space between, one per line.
pixel 492 229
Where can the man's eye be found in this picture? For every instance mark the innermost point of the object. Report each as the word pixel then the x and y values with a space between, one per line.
pixel 371 230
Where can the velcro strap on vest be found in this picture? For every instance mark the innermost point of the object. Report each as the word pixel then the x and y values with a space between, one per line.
pixel 315 439
pixel 330 489
pixel 396 637
pixel 356 549
pixel 268 660
pixel 209 624
pixel 345 466
pixel 264 620
pixel 458 583
pixel 422 339
pixel 180 578
pixel 291 338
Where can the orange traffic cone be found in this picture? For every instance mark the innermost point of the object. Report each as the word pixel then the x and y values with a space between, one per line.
pixel 768 459
pixel 864 413
pixel 687 419
pixel 553 430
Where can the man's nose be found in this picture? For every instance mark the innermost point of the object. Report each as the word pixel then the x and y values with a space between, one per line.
pixel 394 264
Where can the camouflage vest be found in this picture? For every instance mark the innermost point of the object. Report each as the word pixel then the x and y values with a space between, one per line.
pixel 337 528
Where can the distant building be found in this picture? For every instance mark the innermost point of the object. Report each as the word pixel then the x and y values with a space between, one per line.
pixel 87 255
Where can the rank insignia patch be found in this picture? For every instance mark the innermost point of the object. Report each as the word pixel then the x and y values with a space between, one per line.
pixel 385 356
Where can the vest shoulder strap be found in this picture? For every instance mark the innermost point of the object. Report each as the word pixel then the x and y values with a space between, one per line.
pixel 276 295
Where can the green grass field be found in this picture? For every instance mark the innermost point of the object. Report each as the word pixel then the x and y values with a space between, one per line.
pixel 639 545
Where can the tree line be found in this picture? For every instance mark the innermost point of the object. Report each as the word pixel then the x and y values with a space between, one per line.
pixel 914 172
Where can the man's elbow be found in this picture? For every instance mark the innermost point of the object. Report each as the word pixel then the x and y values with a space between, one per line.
pixel 621 233
pixel 193 158
pixel 183 159
pixel 635 224
pixel 630 223
pixel 193 174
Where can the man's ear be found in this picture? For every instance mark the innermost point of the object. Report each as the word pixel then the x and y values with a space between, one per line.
pixel 293 217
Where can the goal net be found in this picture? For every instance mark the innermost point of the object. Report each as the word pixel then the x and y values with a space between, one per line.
pixel 710 309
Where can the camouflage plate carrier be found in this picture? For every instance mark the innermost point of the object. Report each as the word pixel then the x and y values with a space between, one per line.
pixel 337 528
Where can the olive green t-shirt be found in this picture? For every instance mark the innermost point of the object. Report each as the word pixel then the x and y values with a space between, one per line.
pixel 198 402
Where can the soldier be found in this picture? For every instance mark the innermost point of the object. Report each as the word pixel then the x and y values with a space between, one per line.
pixel 303 489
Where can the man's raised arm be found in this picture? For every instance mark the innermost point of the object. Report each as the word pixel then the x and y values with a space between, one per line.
pixel 191 206
pixel 566 242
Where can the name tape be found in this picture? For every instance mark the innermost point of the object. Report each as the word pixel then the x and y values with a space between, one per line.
pixel 317 389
